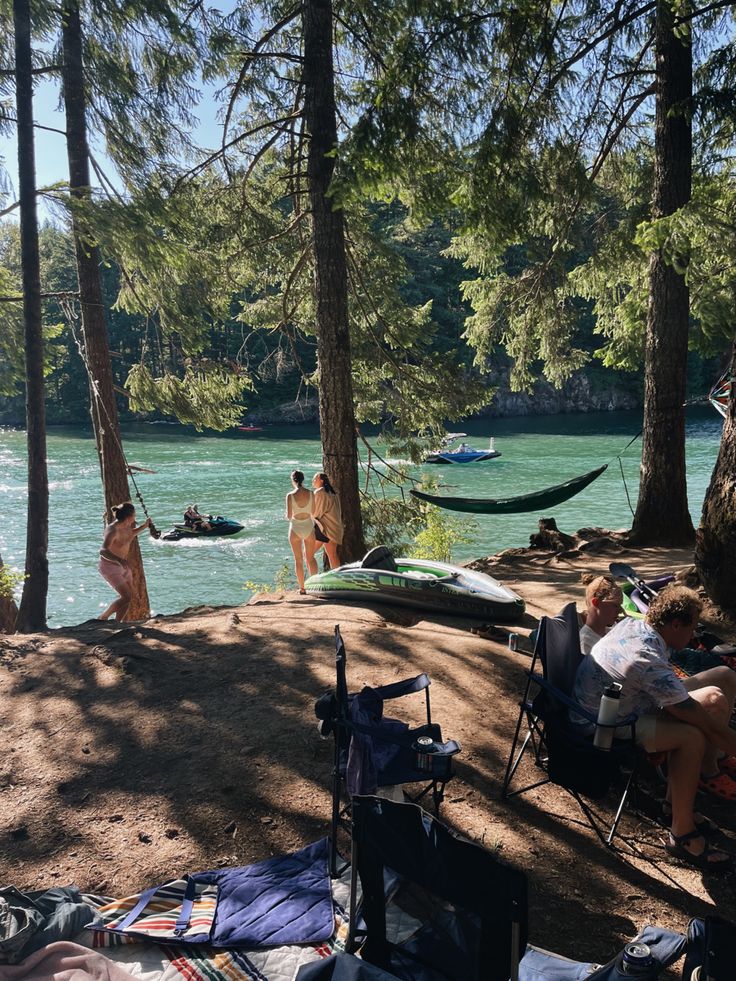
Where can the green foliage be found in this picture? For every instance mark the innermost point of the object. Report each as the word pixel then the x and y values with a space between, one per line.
pixel 441 534
pixel 12 345
pixel 283 581
pixel 699 241
pixel 10 580
pixel 410 527
pixel 204 397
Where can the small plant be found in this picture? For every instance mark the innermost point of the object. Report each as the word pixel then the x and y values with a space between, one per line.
pixel 282 582
pixel 413 528
pixel 440 534
pixel 10 579
pixel 283 578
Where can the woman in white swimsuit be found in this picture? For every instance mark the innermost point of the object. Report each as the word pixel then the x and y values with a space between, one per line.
pixel 299 503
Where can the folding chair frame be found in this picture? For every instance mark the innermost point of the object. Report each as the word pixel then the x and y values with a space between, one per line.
pixel 343 729
pixel 538 712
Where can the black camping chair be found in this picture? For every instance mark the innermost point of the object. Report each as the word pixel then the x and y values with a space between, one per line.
pixel 711 952
pixel 472 907
pixel 372 751
pixel 566 756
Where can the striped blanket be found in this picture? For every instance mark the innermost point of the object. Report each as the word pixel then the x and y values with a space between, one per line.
pixel 155 962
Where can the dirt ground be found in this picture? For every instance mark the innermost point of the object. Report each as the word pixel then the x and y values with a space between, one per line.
pixel 131 754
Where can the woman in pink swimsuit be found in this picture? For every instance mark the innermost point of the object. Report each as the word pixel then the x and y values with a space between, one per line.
pixel 113 565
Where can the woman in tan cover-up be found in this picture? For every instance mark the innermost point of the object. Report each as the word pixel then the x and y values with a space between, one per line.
pixel 327 516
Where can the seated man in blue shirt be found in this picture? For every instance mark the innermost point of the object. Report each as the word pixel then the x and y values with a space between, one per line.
pixel 686 718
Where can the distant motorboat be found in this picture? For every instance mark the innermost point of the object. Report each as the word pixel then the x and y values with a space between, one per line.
pixel 462 452
pixel 250 429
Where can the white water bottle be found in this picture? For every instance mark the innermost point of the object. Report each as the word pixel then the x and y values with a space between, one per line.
pixel 607 714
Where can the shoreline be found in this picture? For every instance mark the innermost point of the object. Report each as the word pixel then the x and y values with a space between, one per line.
pixel 131 754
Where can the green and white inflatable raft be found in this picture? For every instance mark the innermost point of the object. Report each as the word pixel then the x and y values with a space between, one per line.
pixel 436 586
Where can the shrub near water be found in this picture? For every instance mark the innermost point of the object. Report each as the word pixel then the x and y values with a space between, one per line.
pixel 9 580
pixel 441 534
pixel 412 528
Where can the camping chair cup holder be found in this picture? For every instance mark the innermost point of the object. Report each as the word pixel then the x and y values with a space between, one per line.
pixel 566 756
pixel 373 752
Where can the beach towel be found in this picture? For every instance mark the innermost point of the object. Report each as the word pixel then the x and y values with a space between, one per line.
pixel 282 900
pixel 182 910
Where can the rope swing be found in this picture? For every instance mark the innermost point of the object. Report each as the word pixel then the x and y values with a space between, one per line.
pixel 71 317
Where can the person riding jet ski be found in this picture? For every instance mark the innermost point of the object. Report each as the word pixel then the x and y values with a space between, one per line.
pixel 193 519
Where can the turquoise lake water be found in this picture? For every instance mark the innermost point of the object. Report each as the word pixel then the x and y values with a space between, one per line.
pixel 246 476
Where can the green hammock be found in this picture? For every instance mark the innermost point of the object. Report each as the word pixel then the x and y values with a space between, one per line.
pixel 538 501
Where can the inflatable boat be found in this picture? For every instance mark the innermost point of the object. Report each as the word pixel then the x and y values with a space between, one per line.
pixel 435 586
pixel 217 526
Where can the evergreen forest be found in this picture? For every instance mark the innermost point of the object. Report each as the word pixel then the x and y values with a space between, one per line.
pixel 410 207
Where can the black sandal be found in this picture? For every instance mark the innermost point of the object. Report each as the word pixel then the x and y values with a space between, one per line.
pixel 676 848
pixel 703 825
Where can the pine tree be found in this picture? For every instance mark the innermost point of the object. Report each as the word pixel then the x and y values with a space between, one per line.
pixel 662 515
pixel 337 418
pixel 32 612
pixel 103 405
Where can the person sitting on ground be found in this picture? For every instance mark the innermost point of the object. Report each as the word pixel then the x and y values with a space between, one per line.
pixel 603 600
pixel 686 718
pixel 193 519
pixel 113 565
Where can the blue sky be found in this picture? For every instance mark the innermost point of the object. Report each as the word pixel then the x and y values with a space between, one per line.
pixel 51 162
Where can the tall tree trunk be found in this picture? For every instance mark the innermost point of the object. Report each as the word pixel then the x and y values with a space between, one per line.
pixel 662 515
pixel 8 609
pixel 32 613
pixel 103 406
pixel 336 411
pixel 715 545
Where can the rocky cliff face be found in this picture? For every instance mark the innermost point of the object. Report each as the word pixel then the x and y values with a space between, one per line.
pixel 581 393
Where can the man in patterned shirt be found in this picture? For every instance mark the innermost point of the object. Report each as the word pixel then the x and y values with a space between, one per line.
pixel 686 718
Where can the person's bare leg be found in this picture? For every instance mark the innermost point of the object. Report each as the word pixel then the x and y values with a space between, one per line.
pixel 712 690
pixel 331 549
pixel 124 606
pixel 310 550
pixel 296 547
pixel 119 606
pixel 685 746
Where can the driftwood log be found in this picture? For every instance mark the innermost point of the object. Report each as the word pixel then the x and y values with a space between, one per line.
pixel 550 538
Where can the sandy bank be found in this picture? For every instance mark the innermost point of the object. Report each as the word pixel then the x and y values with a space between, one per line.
pixel 187 742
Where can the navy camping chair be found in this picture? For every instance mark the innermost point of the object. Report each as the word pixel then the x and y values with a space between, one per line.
pixel 557 748
pixel 437 907
pixel 471 906
pixel 711 950
pixel 373 752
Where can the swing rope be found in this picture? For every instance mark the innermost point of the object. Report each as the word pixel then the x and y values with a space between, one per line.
pixel 97 401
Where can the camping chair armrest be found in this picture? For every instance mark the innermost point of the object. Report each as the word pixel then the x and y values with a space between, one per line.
pixel 576 707
pixel 400 688
pixel 404 739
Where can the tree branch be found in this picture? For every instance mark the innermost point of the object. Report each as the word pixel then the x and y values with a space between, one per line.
pixel 60 294
pixel 264 39
pixel 226 146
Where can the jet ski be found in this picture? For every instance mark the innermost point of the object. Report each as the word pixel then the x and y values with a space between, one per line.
pixel 436 586
pixel 217 526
